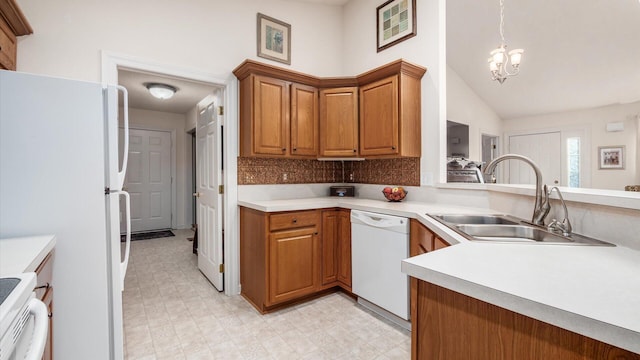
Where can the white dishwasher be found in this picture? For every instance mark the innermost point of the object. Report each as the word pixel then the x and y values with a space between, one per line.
pixel 379 243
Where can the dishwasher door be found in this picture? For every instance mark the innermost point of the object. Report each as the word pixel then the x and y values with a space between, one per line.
pixel 379 243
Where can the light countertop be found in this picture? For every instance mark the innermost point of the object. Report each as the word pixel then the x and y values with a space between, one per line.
pixel 24 254
pixel 590 290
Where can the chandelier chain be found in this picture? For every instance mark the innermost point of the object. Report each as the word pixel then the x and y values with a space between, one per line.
pixel 502 22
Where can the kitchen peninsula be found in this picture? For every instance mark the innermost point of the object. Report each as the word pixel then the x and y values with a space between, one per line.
pixel 587 291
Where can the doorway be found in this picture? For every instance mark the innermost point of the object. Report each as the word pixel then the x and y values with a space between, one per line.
pixel 489 148
pixel 227 89
pixel 148 179
pixel 545 149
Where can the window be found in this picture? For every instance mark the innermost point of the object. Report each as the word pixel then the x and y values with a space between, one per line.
pixel 573 161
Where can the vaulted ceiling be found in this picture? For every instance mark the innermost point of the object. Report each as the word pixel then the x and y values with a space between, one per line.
pixel 578 54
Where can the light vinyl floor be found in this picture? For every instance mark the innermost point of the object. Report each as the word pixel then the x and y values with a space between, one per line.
pixel 172 312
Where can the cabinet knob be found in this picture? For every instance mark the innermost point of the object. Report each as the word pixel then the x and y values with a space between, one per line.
pixel 295 149
pixel 295 221
pixel 284 149
pixel 354 150
pixel 393 147
pixel 315 233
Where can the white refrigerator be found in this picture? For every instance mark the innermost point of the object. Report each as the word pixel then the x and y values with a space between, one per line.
pixel 60 174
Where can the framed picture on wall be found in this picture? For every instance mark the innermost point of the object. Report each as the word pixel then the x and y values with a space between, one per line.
pixel 274 39
pixel 611 157
pixel 396 22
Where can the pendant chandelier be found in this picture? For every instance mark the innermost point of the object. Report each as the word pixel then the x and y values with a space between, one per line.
pixel 501 63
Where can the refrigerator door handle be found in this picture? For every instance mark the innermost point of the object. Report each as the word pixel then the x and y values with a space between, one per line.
pixel 125 154
pixel 127 246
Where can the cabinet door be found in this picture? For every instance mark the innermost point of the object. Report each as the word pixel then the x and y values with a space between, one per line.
pixel 344 248
pixel 293 264
pixel 379 122
pixel 421 239
pixel 270 116
pixel 339 122
pixel 304 120
pixel 48 347
pixel 330 247
pixel 8 46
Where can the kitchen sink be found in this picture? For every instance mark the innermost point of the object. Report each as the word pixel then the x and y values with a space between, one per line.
pixel 509 229
pixel 477 219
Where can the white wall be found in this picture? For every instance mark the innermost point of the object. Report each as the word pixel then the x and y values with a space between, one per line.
pixel 191 119
pixel 596 120
pixel 359 54
pixel 155 120
pixel 464 106
pixel 212 36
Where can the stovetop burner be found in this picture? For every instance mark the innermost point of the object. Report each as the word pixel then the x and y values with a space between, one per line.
pixel 6 287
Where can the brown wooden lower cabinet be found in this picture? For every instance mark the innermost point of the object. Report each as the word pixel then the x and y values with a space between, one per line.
pixel 336 248
pixel 288 256
pixel 44 292
pixel 48 302
pixel 449 325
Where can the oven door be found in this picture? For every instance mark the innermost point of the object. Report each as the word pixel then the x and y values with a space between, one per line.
pixel 30 329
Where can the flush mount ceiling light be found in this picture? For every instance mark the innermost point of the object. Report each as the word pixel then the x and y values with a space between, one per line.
pixel 161 91
pixel 500 61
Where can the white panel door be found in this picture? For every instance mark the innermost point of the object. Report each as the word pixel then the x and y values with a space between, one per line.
pixel 209 201
pixel 148 180
pixel 545 149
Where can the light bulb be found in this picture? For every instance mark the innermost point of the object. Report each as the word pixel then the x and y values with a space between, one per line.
pixel 498 56
pixel 492 65
pixel 516 56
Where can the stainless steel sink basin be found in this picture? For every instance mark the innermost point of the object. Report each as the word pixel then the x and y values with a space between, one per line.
pixel 477 219
pixel 509 229
pixel 511 233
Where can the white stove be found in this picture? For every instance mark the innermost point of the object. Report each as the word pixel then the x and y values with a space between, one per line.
pixel 24 321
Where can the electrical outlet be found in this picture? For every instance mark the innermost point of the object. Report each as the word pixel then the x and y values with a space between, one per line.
pixel 350 176
pixel 285 177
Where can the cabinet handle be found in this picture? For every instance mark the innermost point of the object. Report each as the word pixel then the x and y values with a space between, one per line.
pixel 46 286
pixel 295 221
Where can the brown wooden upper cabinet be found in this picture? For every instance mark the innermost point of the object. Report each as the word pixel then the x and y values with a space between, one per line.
pixel 12 24
pixel 284 113
pixel 379 117
pixel 339 122
pixel 304 120
pixel 390 121
pixel 278 118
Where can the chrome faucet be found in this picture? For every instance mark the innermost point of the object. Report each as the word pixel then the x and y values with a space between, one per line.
pixel 541 207
pixel 565 225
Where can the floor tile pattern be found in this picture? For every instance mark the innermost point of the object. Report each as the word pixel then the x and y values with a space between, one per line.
pixel 172 312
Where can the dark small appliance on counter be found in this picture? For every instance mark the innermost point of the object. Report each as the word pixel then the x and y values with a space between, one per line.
pixel 342 191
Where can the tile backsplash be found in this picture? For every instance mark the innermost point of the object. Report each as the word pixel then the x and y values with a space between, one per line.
pixel 253 171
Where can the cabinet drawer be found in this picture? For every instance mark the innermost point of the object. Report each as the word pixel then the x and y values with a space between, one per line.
pixel 294 220
pixel 44 272
pixel 7 47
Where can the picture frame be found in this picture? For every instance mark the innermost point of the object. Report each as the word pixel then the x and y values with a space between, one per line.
pixel 395 22
pixel 273 39
pixel 611 157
